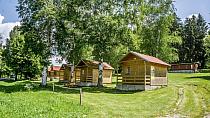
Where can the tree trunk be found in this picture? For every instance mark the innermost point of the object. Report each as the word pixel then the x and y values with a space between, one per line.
pixel 72 73
pixel 100 74
pixel 16 76
pixel 44 76
pixel 21 75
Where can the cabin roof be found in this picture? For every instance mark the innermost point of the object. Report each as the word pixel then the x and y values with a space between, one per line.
pixel 55 68
pixel 94 64
pixel 146 58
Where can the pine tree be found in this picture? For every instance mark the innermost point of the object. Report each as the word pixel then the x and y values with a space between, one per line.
pixel 193 34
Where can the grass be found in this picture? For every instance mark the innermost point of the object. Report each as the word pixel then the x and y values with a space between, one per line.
pixel 17 101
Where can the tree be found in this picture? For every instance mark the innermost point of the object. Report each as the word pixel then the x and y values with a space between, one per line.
pixel 193 34
pixel 37 24
pixel 207 49
pixel 19 57
pixel 3 67
pixel 98 29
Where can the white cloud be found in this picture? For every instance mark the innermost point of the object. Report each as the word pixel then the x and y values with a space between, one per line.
pixel 1 19
pixel 5 28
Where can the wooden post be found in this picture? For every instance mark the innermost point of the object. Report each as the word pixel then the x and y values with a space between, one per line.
pixel 80 96
pixel 53 86
pixel 145 73
pixel 75 77
pixel 117 74
pixel 86 75
pixel 167 76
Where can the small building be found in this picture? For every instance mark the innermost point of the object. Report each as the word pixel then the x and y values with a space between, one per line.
pixel 66 73
pixel 142 72
pixel 86 72
pixel 185 67
pixel 54 72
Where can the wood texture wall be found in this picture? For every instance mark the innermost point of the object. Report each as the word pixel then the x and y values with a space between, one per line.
pixel 156 74
pixel 90 74
pixel 137 72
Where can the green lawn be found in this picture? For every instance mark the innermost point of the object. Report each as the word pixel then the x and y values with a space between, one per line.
pixel 16 101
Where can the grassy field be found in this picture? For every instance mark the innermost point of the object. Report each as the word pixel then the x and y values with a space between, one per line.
pixel 187 95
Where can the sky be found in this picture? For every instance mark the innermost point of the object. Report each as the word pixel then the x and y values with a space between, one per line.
pixel 184 8
pixel 187 7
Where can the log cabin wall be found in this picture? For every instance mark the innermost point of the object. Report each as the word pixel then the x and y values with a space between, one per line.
pixel 77 75
pixel 61 75
pixel 56 73
pixel 160 75
pixel 51 74
pixel 185 66
pixel 142 72
pixel 89 72
pixel 107 76
pixel 86 74
pixel 67 73
pixel 95 75
pixel 89 76
pixel 83 74
pixel 133 72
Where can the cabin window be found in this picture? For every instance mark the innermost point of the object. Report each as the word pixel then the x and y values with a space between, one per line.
pixel 83 72
pixel 128 72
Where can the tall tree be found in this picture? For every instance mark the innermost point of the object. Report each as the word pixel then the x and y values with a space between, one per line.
pixel 207 50
pixel 19 58
pixel 193 34
pixel 37 24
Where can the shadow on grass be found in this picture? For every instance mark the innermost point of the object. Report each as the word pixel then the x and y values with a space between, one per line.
pixel 20 86
pixel 109 90
pixel 200 77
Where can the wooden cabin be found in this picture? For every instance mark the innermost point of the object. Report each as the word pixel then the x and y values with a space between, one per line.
pixel 184 67
pixel 87 72
pixel 54 72
pixel 66 73
pixel 142 72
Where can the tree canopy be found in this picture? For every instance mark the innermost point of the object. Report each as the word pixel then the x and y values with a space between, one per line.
pixel 102 30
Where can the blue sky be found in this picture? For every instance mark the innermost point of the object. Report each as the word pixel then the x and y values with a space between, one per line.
pixel 8 10
pixel 188 7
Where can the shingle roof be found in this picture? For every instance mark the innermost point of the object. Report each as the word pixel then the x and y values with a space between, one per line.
pixel 148 58
pixel 54 68
pixel 95 64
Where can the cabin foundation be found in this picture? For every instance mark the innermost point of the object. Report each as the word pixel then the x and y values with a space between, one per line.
pixel 87 84
pixel 127 87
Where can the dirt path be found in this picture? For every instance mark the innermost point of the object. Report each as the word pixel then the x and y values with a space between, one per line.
pixel 189 95
pixel 179 104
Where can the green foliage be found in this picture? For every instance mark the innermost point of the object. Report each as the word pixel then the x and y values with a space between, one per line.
pixel 207 50
pixel 77 29
pixel 19 57
pixel 193 34
pixel 107 26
